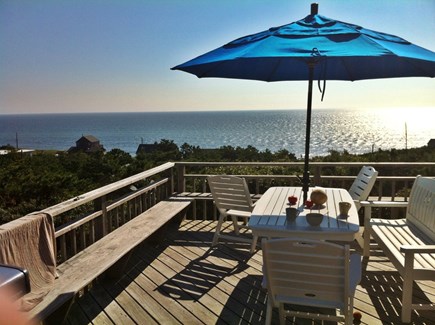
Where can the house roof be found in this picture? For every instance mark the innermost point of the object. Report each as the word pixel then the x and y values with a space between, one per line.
pixel 146 148
pixel 90 138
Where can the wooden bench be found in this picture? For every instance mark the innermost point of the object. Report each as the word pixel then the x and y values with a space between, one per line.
pixel 107 254
pixel 409 243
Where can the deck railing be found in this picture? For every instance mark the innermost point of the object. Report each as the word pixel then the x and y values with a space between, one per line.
pixel 191 178
pixel 84 219
pixel 325 174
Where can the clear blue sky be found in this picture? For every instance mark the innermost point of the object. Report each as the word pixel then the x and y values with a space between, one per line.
pixel 106 55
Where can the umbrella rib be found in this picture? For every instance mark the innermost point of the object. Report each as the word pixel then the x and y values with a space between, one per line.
pixel 349 73
pixel 217 64
pixel 275 68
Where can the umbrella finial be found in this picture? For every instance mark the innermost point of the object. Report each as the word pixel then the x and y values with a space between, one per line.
pixel 314 8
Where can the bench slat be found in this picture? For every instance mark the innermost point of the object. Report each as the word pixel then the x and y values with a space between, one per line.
pixel 397 232
pixel 84 267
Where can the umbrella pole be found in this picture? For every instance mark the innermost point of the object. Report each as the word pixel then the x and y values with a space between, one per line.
pixel 306 175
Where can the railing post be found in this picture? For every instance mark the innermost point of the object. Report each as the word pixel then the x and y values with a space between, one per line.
pixel 181 183
pixel 101 223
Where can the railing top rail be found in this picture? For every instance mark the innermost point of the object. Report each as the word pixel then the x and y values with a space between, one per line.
pixel 261 176
pixel 99 192
pixel 298 163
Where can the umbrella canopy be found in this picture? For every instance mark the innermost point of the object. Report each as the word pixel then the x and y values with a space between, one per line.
pixel 314 48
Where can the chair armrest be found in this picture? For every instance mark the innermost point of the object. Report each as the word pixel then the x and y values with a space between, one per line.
pixel 368 205
pixel 415 249
pixel 410 251
pixel 384 204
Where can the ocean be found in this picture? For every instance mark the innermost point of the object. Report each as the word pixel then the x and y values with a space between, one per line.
pixel 354 130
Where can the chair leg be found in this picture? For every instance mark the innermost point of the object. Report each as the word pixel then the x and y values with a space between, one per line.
pixel 254 243
pixel 281 314
pixel 235 225
pixel 367 230
pixel 269 311
pixel 218 229
pixel 348 317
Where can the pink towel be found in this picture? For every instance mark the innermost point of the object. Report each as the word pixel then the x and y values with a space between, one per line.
pixel 29 242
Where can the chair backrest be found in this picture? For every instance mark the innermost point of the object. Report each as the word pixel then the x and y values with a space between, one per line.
pixel 230 192
pixel 307 272
pixel 421 206
pixel 363 184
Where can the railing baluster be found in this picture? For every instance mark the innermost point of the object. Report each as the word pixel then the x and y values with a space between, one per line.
pixel 92 232
pixel 82 237
pixel 204 202
pixel 381 189
pixel 317 175
pixel 63 251
pixel 104 216
pixel 116 212
pixel 73 237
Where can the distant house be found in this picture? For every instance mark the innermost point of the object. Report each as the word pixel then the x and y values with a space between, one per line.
pixel 431 143
pixel 88 144
pixel 144 148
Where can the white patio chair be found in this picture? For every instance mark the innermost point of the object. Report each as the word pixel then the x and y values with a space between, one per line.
pixel 363 184
pixel 232 198
pixel 310 273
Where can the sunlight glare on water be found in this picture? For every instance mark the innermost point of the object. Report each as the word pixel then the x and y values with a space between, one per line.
pixel 401 124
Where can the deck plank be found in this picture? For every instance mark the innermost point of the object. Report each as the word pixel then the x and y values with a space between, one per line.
pixel 177 311
pixel 112 306
pixel 93 310
pixel 182 280
pixel 79 316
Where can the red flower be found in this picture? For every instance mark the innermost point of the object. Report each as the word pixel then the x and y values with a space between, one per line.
pixel 309 204
pixel 292 199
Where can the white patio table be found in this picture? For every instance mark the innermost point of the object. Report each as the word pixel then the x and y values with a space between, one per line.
pixel 268 218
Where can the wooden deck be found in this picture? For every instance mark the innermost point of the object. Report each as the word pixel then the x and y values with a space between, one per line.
pixel 181 280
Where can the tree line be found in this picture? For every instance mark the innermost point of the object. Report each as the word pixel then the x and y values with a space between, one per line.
pixel 32 183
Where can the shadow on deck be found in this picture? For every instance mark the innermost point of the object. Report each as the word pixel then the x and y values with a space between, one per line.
pixel 181 280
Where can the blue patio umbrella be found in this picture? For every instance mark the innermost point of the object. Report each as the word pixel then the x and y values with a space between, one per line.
pixel 314 48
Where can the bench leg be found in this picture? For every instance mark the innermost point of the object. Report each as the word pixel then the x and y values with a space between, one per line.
pixel 407 288
pixel 407 301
